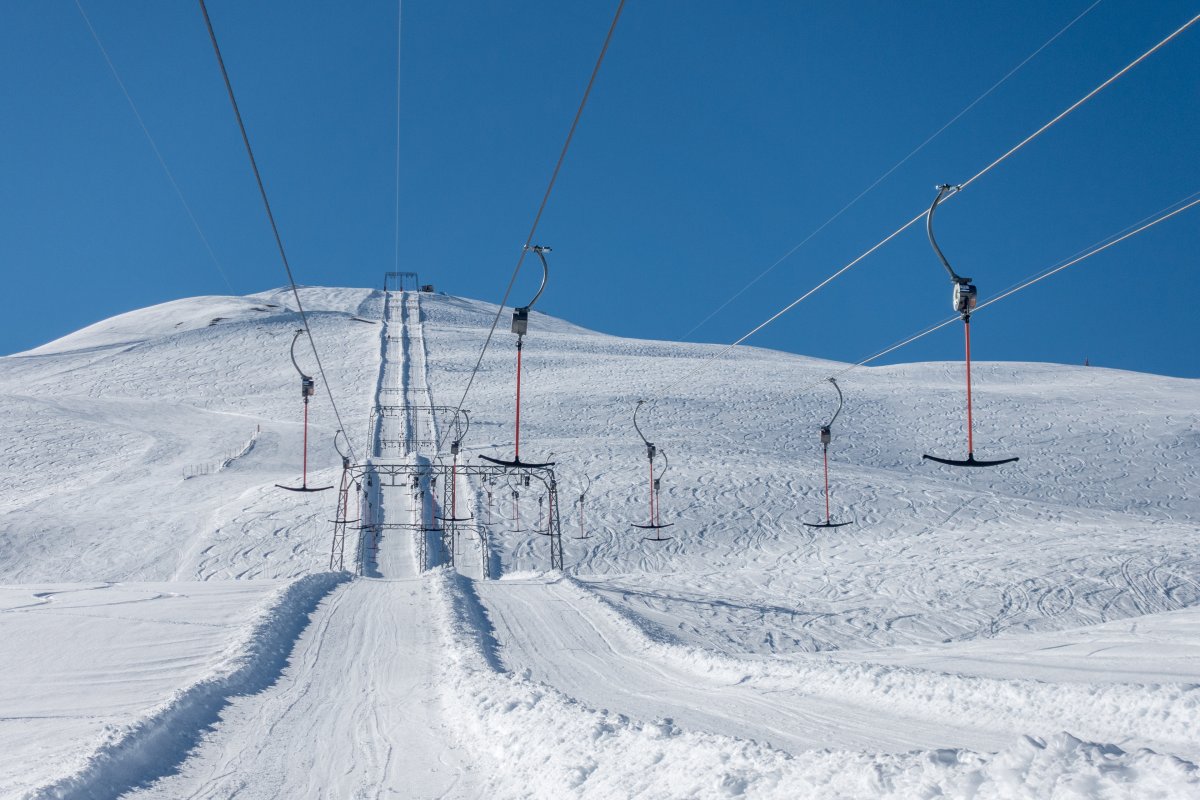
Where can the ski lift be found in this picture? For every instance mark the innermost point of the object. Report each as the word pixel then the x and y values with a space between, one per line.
pixel 551 495
pixel 307 390
pixel 963 299
pixel 538 529
pixel 826 438
pixel 520 326
pixel 652 452
pixel 516 517
pixel 583 534
pixel 460 432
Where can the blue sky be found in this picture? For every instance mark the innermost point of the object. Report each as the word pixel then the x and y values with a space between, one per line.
pixel 719 135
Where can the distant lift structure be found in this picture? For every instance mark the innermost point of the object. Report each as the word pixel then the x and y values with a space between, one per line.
pixel 307 390
pixel 964 299
pixel 520 326
pixel 401 282
pixel 655 524
pixel 826 438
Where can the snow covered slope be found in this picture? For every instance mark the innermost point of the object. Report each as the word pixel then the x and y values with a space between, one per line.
pixel 1021 631
pixel 99 429
pixel 1096 522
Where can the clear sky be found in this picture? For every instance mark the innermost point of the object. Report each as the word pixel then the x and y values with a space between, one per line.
pixel 719 136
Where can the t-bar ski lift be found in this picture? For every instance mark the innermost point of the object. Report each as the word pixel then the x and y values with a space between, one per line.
pixel 520 326
pixel 307 390
pixel 826 438
pixel 583 534
pixel 964 299
pixel 652 452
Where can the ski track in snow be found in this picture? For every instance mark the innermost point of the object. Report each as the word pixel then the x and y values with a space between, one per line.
pixel 748 655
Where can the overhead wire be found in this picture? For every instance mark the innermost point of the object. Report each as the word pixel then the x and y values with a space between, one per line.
pixel 399 42
pixel 893 168
pixel 1005 156
pixel 1146 223
pixel 1079 102
pixel 541 208
pixel 112 68
pixel 212 35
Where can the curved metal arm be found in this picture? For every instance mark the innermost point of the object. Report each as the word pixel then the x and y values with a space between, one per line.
pixel 294 364
pixel 841 402
pixel 341 433
pixel 541 253
pixel 583 494
pixel 463 434
pixel 636 409
pixel 650 449
pixel 944 191
pixel 666 466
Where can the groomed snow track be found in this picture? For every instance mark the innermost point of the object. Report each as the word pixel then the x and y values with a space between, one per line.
pixel 357 713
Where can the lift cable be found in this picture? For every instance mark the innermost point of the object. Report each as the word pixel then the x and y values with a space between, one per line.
pixel 154 146
pixel 922 215
pixel 542 207
pixel 271 218
pixel 894 167
pixel 1080 102
pixel 399 41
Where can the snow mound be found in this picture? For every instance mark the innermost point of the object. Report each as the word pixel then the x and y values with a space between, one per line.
pixel 135 754
pixel 546 745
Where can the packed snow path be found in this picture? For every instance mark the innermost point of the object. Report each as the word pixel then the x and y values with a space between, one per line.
pixel 547 630
pixel 357 713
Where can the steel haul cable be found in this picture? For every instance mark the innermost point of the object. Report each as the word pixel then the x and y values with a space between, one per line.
pixel 154 146
pixel 894 167
pixel 271 218
pixel 541 208
pixel 399 41
pixel 1008 154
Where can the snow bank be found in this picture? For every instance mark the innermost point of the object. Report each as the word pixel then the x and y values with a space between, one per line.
pixel 544 744
pixel 135 754
pixel 1166 713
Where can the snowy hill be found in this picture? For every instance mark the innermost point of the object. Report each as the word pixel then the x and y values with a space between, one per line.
pixel 910 653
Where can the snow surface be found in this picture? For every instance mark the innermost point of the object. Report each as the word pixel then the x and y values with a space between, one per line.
pixel 1026 631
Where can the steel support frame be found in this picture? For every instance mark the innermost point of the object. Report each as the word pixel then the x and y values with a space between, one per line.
pixel 379 475
pixel 401 282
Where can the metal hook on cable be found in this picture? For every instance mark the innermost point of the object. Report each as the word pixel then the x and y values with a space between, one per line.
pixel 460 430
pixel 307 385
pixel 827 428
pixel 650 449
pixel 520 320
pixel 336 446
pixel 964 291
